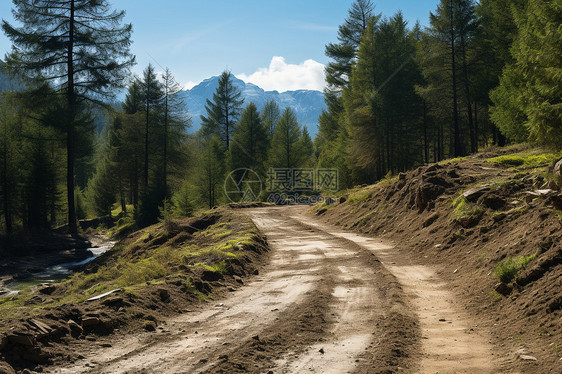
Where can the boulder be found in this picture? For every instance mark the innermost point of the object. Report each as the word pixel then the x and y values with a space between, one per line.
pixel 475 193
pixel 43 330
pixel 91 321
pixel 493 201
pixel 164 295
pixel 503 289
pixel 5 368
pixel 557 170
pixel 47 289
pixel 75 329
pixel 26 340
pixel 3 342
pixel 211 276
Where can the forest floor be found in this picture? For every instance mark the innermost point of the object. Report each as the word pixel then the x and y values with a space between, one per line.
pixel 396 277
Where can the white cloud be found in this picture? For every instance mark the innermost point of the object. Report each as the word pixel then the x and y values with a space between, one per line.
pixel 281 76
pixel 189 85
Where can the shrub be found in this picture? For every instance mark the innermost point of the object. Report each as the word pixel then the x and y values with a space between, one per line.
pixel 507 271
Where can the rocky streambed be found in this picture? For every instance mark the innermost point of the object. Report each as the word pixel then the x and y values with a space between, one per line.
pixel 19 273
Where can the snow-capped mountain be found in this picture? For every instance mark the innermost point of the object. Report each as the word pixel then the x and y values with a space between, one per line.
pixel 307 104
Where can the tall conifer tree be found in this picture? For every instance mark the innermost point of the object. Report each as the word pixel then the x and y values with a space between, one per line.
pixel 224 110
pixel 77 46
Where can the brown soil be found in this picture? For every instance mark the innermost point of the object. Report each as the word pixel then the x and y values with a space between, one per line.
pixel 323 304
pixel 39 337
pixel 413 292
pixel 415 213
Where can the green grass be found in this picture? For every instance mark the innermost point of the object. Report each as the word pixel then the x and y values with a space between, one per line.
pixel 527 159
pixel 496 296
pixel 364 219
pixel 451 160
pixel 507 271
pixel 135 263
pixel 465 209
pixel 358 197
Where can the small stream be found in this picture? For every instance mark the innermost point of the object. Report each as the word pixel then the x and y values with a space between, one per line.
pixel 52 273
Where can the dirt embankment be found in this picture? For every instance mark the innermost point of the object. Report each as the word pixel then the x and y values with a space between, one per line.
pixel 153 274
pixel 479 220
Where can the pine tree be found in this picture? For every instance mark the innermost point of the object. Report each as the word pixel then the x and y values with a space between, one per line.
pixel 211 170
pixel 152 94
pixel 528 103
pixel 333 137
pixel 249 142
pixel 350 35
pixel 77 46
pixel 102 189
pixel 224 110
pixel 444 58
pixel 175 122
pixel 307 148
pixel 182 201
pixel 286 149
pixel 270 116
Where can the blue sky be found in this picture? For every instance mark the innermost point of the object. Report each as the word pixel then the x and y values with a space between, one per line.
pixel 275 44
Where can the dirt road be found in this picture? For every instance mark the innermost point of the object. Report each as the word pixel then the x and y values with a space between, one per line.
pixel 328 302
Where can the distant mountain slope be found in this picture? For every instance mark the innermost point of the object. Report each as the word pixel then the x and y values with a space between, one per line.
pixel 307 104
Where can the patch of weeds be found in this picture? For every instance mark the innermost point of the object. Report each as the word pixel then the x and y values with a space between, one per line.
pixel 216 268
pixel 449 161
pixel 364 219
pixel 459 235
pixel 388 179
pixel 359 197
pixel 496 296
pixel 322 207
pixel 527 159
pixel 123 227
pixel 466 212
pixel 507 271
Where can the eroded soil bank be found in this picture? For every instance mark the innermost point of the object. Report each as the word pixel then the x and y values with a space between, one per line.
pixel 473 220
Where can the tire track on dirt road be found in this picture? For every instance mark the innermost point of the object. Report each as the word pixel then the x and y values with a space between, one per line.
pixel 314 308
pixel 449 343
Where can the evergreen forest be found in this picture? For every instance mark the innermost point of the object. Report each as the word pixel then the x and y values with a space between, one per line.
pixel 399 96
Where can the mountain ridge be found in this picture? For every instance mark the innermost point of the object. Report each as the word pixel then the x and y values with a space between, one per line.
pixel 307 104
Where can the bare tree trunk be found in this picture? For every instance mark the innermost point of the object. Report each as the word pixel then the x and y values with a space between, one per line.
pixel 425 136
pixel 145 184
pixel 473 136
pixel 456 128
pixel 70 136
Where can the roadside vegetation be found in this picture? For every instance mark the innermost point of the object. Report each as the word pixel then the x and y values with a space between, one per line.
pixel 219 242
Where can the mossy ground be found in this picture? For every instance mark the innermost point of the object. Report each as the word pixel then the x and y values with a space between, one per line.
pixel 178 250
